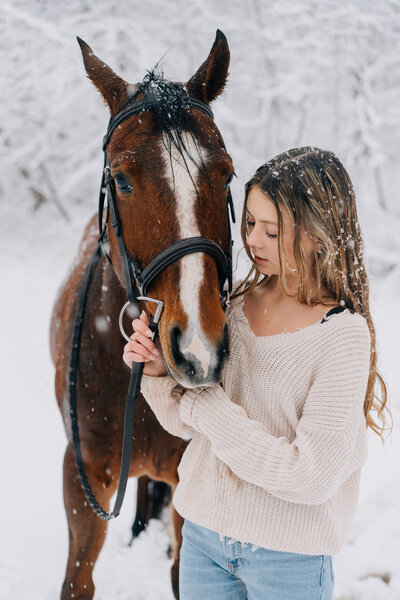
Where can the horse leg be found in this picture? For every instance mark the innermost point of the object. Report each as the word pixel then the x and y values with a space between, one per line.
pixel 177 523
pixel 87 532
pixel 161 496
pixel 151 504
pixel 151 497
pixel 142 500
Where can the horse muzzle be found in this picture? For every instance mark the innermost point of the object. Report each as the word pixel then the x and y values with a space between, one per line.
pixel 195 360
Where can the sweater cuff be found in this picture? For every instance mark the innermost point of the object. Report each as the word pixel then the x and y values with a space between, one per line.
pixel 151 386
pixel 187 403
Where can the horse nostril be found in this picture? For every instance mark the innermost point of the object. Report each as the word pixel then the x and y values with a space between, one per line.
pixel 176 336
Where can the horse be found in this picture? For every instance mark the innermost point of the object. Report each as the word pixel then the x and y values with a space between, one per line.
pixel 171 172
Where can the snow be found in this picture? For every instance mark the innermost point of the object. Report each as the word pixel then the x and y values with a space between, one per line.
pixel 302 72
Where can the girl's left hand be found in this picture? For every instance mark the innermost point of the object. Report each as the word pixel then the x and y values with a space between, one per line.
pixel 141 348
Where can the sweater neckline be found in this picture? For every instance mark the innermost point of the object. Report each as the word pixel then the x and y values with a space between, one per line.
pixel 284 335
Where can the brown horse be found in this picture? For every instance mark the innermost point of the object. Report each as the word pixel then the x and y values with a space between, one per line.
pixel 165 192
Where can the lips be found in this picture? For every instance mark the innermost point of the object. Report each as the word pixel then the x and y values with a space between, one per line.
pixel 259 259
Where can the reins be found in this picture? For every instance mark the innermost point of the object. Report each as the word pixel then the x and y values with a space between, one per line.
pixel 137 282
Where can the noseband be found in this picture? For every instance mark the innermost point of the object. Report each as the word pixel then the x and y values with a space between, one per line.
pixel 137 282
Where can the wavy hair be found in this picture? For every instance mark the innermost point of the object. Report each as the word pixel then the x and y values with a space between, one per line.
pixel 316 191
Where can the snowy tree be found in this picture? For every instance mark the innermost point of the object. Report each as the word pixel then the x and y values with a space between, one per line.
pixel 301 73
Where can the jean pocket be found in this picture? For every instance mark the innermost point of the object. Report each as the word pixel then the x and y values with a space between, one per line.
pixel 331 569
pixel 327 575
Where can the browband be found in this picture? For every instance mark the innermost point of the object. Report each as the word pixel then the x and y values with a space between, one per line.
pixel 136 107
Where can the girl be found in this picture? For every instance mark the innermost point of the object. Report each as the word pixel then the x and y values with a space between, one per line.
pixel 269 483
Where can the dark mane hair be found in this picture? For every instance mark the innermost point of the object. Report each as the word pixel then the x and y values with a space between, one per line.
pixel 170 104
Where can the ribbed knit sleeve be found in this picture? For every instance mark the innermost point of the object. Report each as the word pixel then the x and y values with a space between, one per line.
pixel 163 395
pixel 311 468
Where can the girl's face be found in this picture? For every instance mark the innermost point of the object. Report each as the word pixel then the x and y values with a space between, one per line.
pixel 262 235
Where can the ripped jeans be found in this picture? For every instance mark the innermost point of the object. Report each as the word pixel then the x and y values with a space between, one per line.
pixel 214 567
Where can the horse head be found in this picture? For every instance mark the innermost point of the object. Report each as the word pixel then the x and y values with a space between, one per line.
pixel 171 174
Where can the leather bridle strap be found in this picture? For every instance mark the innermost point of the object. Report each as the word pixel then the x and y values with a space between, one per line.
pixel 137 283
pixel 135 278
pixel 132 289
pixel 134 108
pixel 133 391
pixel 178 250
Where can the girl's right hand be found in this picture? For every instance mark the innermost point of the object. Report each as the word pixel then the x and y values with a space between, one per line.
pixel 141 348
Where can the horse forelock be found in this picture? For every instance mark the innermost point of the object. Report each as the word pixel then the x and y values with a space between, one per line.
pixel 170 104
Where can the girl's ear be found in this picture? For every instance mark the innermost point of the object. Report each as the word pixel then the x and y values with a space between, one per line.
pixel 210 79
pixel 111 86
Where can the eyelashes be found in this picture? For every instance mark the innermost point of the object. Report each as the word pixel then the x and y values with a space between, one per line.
pixel 249 224
pixel 122 184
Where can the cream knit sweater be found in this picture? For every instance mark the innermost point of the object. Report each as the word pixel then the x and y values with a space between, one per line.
pixel 275 455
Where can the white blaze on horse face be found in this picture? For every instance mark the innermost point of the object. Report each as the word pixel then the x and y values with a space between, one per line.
pixel 182 179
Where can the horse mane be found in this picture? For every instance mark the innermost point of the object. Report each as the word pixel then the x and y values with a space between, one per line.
pixel 170 104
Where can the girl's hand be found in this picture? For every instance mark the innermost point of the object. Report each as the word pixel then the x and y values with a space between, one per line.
pixel 141 348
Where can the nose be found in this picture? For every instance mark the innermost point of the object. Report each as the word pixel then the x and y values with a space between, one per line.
pixel 253 239
pixel 197 361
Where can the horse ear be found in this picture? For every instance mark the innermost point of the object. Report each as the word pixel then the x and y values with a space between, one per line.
pixel 111 86
pixel 209 80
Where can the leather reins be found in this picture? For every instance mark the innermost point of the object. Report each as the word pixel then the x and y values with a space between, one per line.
pixel 137 282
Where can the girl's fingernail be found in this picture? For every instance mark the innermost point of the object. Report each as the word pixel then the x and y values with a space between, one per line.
pixel 149 333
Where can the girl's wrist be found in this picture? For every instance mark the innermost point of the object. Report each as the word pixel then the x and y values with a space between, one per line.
pixel 164 374
pixel 153 386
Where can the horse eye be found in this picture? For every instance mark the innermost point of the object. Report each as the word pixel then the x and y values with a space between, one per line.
pixel 228 181
pixel 122 184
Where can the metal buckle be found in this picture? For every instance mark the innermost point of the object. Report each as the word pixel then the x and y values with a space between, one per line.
pixel 157 316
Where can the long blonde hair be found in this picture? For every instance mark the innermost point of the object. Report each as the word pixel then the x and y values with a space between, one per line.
pixel 316 191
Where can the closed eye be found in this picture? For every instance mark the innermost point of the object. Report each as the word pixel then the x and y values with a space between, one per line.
pixel 250 224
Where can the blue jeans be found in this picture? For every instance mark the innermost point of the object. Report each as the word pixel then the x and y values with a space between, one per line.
pixel 211 568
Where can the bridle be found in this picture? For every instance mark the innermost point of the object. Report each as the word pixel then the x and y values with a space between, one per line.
pixel 137 281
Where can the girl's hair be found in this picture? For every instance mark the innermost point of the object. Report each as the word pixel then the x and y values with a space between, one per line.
pixel 317 193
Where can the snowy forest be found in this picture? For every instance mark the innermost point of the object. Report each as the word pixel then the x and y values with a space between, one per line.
pixel 302 72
